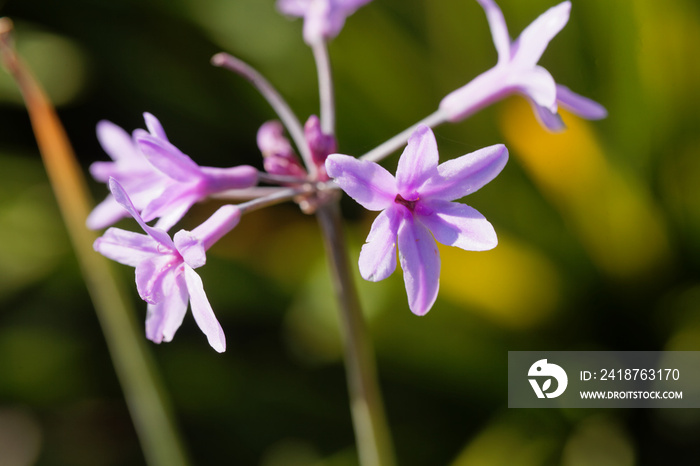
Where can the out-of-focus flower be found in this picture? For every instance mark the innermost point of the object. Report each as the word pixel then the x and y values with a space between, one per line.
pixel 323 19
pixel 161 181
pixel 320 144
pixel 573 102
pixel 130 168
pixel 165 276
pixel 416 210
pixel 192 183
pixel 278 155
pixel 517 72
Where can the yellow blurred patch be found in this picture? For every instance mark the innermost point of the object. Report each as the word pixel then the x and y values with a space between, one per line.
pixel 507 442
pixel 512 284
pixel 613 215
pixel 599 440
pixel 669 34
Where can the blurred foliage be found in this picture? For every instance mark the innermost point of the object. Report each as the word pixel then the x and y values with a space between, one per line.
pixel 599 231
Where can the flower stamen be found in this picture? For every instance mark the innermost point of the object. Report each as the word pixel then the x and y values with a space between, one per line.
pixel 410 205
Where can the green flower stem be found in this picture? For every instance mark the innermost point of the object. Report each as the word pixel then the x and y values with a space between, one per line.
pixel 372 433
pixel 143 392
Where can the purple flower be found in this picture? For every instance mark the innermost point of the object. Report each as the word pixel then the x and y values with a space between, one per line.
pixel 517 72
pixel 323 19
pixel 165 276
pixel 130 168
pixel 278 155
pixel 161 181
pixel 190 182
pixel 320 144
pixel 416 210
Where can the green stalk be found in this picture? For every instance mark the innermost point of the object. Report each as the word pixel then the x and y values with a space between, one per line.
pixel 148 406
pixel 372 433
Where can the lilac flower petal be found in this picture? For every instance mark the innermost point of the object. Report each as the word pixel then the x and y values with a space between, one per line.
pixel 150 274
pixel 378 255
pixel 368 183
pixel 551 121
pixel 167 158
pixel 116 142
pixel 293 7
pixel 126 247
pixel 202 311
pixel 534 39
pixel 499 29
pixel 320 23
pixel 580 105
pixel 272 141
pixel 459 225
pixel 176 302
pixel 466 174
pixel 220 223
pixel 170 216
pixel 538 85
pixel 164 318
pixel 320 144
pixel 102 171
pixel 338 12
pixel 145 187
pixel 105 214
pixel 323 19
pixel 123 199
pixel 175 200
pixel 190 248
pixel 155 320
pixel 488 87
pixel 350 6
pixel 420 261
pixel 154 126
pixel 222 179
pixel 418 162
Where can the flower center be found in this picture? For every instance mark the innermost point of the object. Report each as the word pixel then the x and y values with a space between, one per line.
pixel 410 205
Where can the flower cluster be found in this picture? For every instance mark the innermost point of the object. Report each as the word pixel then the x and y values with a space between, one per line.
pixel 149 178
pixel 162 182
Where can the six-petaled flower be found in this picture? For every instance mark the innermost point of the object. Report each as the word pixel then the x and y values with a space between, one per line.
pixel 417 209
pixel 517 71
pixel 165 276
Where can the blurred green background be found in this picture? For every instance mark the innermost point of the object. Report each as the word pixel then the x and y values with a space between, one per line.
pixel 599 233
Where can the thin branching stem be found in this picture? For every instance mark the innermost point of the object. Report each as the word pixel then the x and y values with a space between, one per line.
pixel 280 179
pixel 277 197
pixel 325 86
pixel 274 98
pixel 247 194
pixel 387 148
